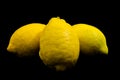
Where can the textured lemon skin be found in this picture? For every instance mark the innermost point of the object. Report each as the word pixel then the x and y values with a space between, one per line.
pixel 91 38
pixel 59 45
pixel 25 40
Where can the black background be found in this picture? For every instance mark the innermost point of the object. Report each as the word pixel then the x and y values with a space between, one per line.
pixel 97 66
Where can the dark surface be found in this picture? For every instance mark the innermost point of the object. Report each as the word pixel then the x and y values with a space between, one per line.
pixel 97 66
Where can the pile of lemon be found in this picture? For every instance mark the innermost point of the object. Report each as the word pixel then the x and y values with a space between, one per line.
pixel 58 43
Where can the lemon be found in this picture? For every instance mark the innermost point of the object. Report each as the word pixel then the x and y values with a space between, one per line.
pixel 25 40
pixel 91 38
pixel 59 45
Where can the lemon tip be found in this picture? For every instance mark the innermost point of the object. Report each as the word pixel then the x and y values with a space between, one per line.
pixel 60 68
pixel 10 48
pixel 104 50
pixel 58 17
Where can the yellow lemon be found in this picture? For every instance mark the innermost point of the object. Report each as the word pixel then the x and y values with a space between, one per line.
pixel 25 40
pixel 91 38
pixel 59 45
